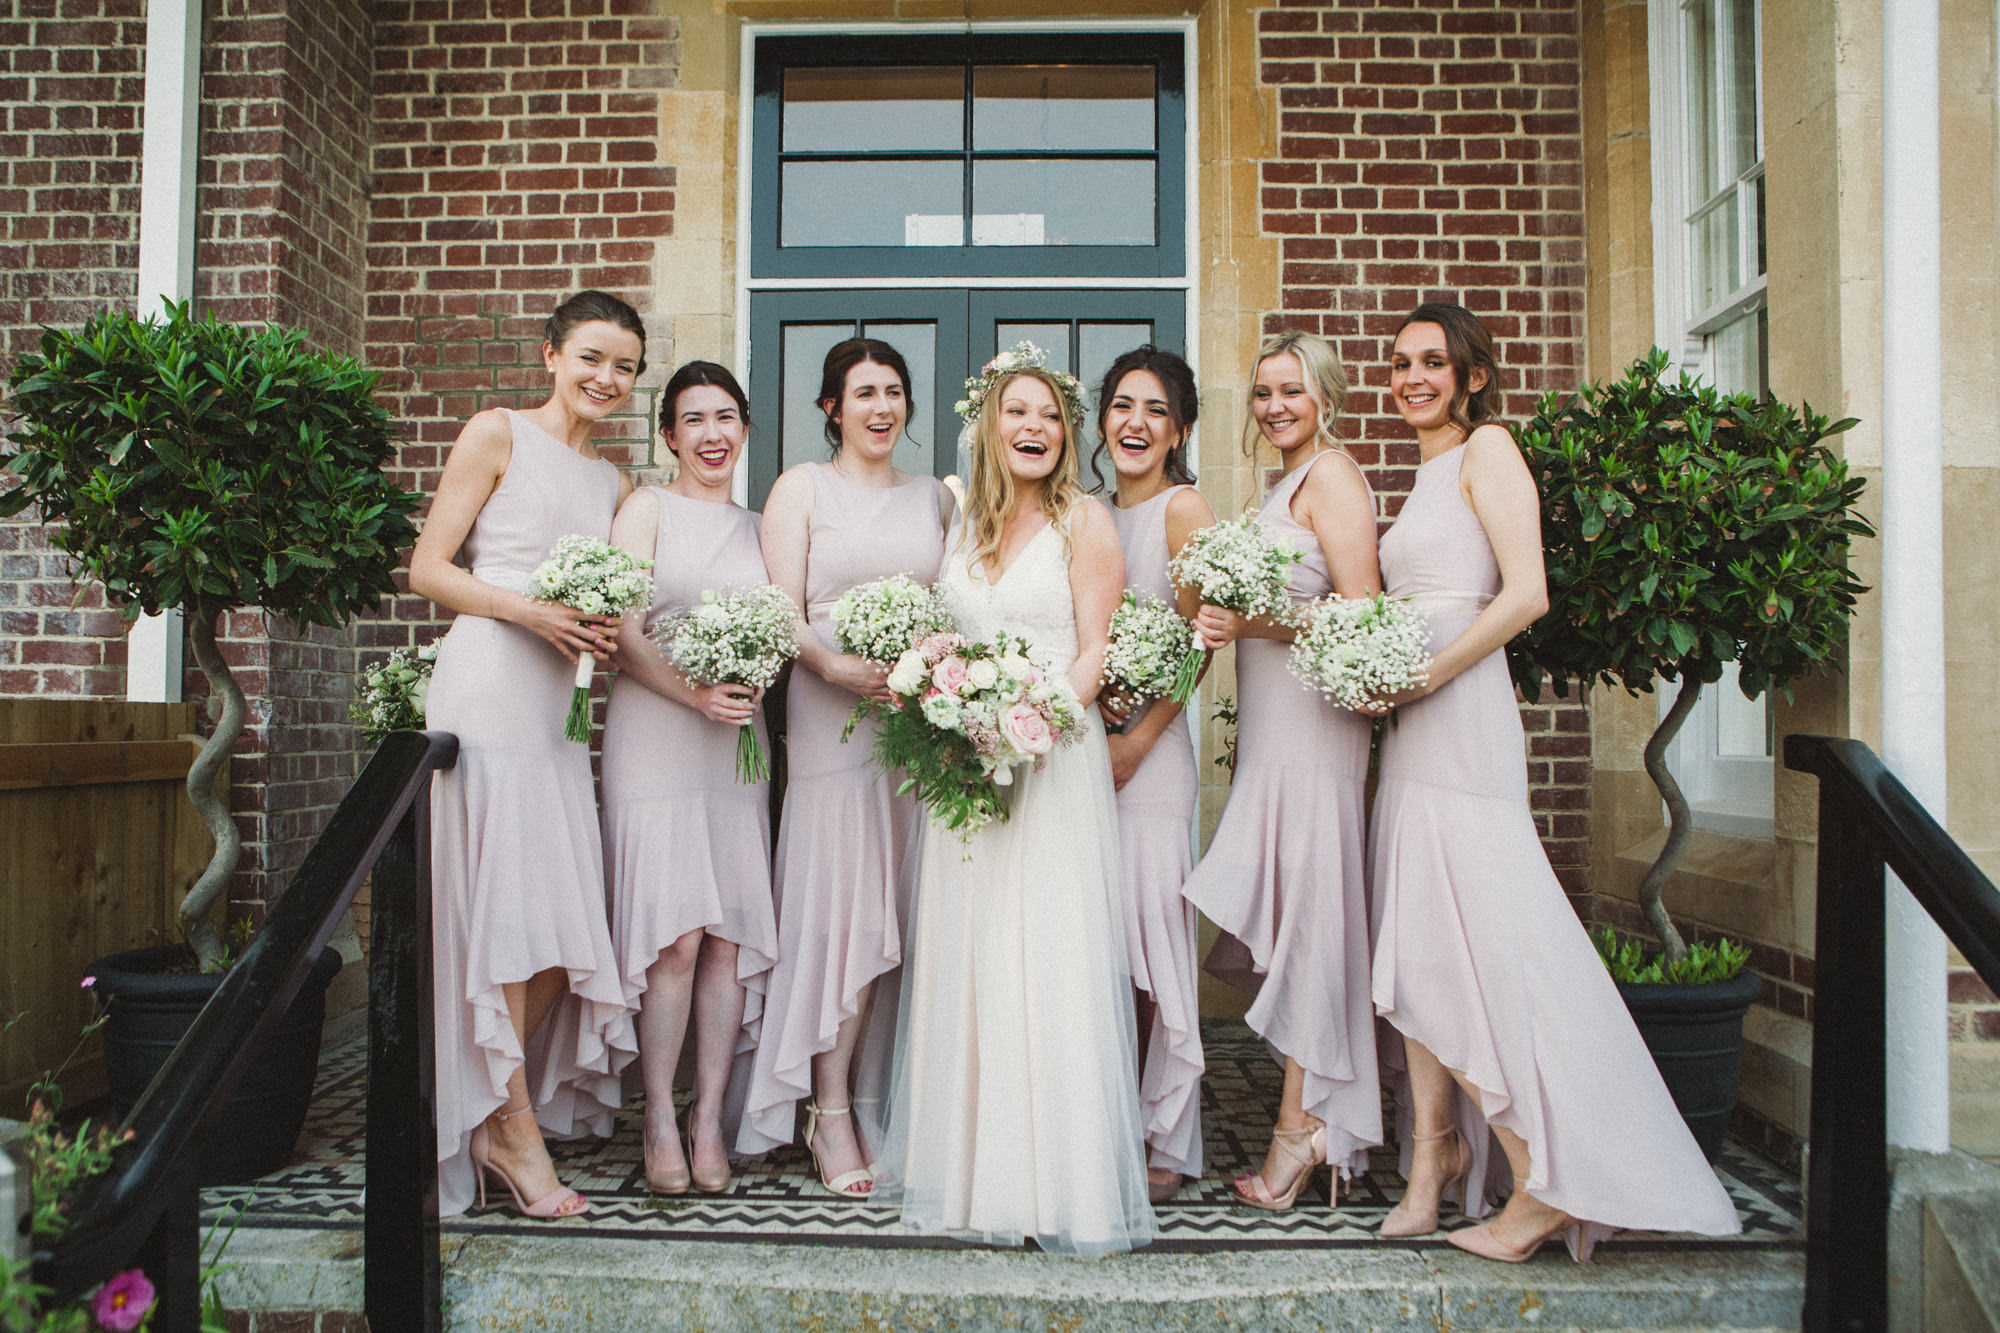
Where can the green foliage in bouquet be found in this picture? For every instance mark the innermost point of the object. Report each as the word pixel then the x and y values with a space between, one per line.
pixel 1685 529
pixel 207 466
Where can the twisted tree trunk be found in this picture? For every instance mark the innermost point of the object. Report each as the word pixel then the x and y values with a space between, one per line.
pixel 1679 824
pixel 196 927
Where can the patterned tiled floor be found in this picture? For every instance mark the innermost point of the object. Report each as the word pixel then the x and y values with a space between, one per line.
pixel 774 1199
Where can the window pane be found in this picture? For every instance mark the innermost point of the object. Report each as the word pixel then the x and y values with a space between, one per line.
pixel 1052 338
pixel 1742 726
pixel 1704 133
pixel 1743 85
pixel 1741 362
pixel 917 341
pixel 855 110
pixel 1098 345
pixel 1062 106
pixel 1060 202
pixel 800 421
pixel 1756 188
pixel 1717 267
pixel 872 203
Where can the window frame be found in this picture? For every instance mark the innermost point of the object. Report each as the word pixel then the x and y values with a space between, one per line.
pixel 772 52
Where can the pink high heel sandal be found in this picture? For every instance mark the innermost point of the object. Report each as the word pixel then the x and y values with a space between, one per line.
pixel 1480 1240
pixel 1402 1222
pixel 558 1202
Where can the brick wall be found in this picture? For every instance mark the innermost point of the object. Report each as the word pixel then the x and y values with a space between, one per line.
pixel 71 90
pixel 1433 152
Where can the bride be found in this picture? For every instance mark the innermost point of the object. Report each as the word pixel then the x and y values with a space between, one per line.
pixel 1015 1110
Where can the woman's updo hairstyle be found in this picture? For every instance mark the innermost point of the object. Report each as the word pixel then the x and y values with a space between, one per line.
pixel 845 356
pixel 1469 347
pixel 1183 405
pixel 696 374
pixel 1325 383
pixel 589 307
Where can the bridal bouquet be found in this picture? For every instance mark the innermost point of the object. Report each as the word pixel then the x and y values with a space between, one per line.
pixel 393 692
pixel 1355 650
pixel 966 715
pixel 1240 566
pixel 1149 641
pixel 735 638
pixel 879 620
pixel 597 579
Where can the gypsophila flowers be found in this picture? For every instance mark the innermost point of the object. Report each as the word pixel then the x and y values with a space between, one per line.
pixel 393 692
pixel 1240 566
pixel 598 579
pixel 1355 650
pixel 880 619
pixel 735 638
pixel 1149 641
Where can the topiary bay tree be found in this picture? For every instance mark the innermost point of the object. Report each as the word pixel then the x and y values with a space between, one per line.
pixel 211 467
pixel 1685 529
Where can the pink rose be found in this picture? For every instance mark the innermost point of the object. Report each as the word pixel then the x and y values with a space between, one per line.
pixel 949 675
pixel 122 1303
pixel 1026 730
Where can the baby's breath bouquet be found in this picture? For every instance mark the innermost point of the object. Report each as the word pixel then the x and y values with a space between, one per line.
pixel 965 716
pixel 1355 650
pixel 735 638
pixel 1240 566
pixel 598 579
pixel 880 620
pixel 1149 641
pixel 393 693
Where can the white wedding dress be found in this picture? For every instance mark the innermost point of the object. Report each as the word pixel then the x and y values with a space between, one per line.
pixel 1015 1110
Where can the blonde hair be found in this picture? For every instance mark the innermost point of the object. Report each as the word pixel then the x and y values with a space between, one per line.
pixel 1325 384
pixel 990 491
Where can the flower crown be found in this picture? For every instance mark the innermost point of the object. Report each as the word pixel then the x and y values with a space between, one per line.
pixel 1024 356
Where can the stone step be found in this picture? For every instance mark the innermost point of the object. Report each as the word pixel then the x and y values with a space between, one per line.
pixel 311 1279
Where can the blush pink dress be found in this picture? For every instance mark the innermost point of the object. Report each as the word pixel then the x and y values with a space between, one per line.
pixel 843 833
pixel 1156 853
pixel 1478 954
pixel 687 846
pixel 1283 873
pixel 517 869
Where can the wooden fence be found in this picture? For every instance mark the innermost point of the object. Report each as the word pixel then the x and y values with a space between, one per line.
pixel 97 845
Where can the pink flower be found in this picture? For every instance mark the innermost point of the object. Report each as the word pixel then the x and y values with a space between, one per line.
pixel 938 646
pixel 949 675
pixel 121 1303
pixel 88 982
pixel 1025 729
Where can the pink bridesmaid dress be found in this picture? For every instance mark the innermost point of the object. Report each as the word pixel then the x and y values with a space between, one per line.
pixel 1156 852
pixel 687 846
pixel 842 900
pixel 1478 954
pixel 516 865
pixel 1283 873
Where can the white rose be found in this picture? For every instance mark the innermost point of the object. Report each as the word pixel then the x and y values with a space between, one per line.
pixel 1016 666
pixel 909 672
pixel 982 675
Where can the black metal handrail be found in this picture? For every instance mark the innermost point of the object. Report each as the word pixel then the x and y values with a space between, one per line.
pixel 146 1209
pixel 1867 819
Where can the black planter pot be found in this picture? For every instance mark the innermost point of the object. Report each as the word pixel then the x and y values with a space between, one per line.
pixel 1696 1036
pixel 151 1008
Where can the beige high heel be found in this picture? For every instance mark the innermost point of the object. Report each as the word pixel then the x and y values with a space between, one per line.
pixel 1310 1158
pixel 1402 1222
pixel 855 1184
pixel 675 1182
pixel 1481 1241
pixel 709 1180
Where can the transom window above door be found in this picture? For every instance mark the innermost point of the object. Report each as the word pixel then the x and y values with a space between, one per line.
pixel 980 155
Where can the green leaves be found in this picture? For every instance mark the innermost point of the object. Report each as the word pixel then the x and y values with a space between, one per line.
pixel 1685 529
pixel 188 462
pixel 1629 962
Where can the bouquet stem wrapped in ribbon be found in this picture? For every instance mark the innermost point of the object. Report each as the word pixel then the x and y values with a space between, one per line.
pixel 1240 566
pixel 1356 650
pixel 598 579
pixel 736 638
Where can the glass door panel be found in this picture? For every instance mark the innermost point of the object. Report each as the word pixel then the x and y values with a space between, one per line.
pixel 1083 331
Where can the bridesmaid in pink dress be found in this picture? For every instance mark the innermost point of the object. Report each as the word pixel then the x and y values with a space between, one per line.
pixel 1508 1019
pixel 830 1018
pixel 1145 410
pixel 530 1012
pixel 1283 873
pixel 688 847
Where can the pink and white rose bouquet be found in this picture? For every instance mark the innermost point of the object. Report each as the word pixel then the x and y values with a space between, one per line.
pixel 967 715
